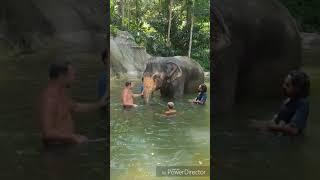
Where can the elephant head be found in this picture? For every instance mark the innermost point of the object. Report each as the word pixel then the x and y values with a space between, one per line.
pixel 159 75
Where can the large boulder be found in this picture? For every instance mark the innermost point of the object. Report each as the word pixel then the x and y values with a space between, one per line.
pixel 69 25
pixel 126 57
pixel 311 48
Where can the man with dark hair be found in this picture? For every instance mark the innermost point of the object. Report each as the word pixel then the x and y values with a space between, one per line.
pixel 293 114
pixel 58 68
pixel 127 96
pixel 56 107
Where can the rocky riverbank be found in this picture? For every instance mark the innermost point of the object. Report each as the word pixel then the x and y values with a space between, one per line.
pixel 31 26
pixel 311 48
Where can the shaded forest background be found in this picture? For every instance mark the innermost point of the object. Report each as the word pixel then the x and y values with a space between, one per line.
pixel 151 26
pixel 306 13
pixel 166 27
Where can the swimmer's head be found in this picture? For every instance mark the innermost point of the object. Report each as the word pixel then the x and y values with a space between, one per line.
pixel 128 84
pixel 296 84
pixel 62 71
pixel 170 105
pixel 202 88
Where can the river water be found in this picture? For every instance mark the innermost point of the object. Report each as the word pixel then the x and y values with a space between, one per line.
pixel 21 153
pixel 141 139
pixel 243 153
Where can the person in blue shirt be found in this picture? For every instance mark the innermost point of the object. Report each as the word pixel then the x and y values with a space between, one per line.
pixel 141 87
pixel 293 113
pixel 202 96
pixel 102 82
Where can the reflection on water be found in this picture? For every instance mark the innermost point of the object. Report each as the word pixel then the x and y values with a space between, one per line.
pixel 21 153
pixel 243 153
pixel 141 139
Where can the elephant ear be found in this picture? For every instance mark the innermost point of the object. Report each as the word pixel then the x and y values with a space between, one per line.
pixel 173 71
pixel 221 32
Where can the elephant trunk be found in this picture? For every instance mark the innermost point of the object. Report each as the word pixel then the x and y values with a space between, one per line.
pixel 147 96
pixel 148 87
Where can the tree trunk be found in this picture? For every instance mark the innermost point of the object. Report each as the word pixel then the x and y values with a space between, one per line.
pixel 128 14
pixel 189 4
pixel 190 42
pixel 122 2
pixel 169 24
pixel 137 13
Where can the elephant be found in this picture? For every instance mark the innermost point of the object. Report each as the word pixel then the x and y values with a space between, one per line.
pixel 173 76
pixel 254 44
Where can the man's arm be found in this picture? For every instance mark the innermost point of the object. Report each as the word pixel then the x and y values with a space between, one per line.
pixel 298 121
pixel 136 95
pixel 284 129
pixel 203 100
pixel 88 107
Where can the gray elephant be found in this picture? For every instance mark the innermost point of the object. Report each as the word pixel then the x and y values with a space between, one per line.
pixel 173 76
pixel 255 43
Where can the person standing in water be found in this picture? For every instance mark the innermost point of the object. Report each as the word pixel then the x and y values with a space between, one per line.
pixel 202 96
pixel 141 88
pixel 127 96
pixel 102 83
pixel 293 114
pixel 56 107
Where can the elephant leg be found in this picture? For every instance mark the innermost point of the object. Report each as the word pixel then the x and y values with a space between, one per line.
pixel 225 75
pixel 178 90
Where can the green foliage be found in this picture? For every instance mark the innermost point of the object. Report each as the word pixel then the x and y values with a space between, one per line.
pixel 147 21
pixel 306 12
pixel 114 30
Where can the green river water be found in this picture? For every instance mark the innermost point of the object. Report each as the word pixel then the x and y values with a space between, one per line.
pixel 141 139
pixel 21 153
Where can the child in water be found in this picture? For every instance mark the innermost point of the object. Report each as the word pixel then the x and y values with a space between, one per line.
pixel 171 111
pixel 293 114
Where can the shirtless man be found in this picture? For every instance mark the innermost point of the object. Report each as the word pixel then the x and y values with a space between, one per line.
pixel 56 107
pixel 127 96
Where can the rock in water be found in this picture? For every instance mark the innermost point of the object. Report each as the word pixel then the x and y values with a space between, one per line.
pixel 70 25
pixel 126 57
